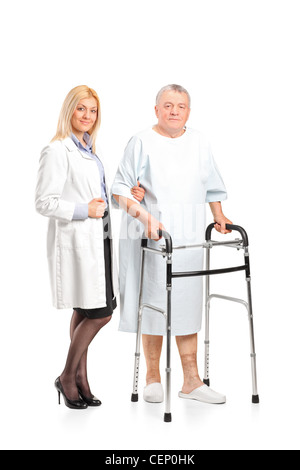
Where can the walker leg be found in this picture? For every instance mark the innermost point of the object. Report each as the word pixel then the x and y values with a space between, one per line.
pixel 255 396
pixel 135 396
pixel 206 379
pixel 168 415
pixel 207 307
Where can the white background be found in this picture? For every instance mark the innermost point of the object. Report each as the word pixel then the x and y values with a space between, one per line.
pixel 240 61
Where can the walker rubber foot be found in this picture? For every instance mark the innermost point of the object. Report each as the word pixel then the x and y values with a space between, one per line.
pixel 168 418
pixel 135 397
pixel 255 399
pixel 206 382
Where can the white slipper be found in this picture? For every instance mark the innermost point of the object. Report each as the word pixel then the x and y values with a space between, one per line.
pixel 205 395
pixel 154 393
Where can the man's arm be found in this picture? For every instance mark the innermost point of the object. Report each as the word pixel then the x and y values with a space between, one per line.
pixel 219 217
pixel 138 212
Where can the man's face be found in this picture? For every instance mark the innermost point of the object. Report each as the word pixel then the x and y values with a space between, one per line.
pixel 172 111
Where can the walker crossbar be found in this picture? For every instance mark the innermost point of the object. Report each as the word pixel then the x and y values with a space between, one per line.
pixel 167 251
pixel 210 272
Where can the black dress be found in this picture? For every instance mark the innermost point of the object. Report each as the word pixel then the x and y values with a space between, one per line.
pixel 111 302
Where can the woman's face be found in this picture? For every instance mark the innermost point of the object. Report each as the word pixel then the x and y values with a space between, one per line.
pixel 84 116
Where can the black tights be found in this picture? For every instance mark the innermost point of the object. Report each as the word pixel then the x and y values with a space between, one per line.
pixel 82 332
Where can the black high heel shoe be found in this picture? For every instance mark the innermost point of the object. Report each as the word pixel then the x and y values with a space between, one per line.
pixel 73 404
pixel 89 401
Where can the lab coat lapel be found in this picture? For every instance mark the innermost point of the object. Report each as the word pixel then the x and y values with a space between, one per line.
pixel 72 147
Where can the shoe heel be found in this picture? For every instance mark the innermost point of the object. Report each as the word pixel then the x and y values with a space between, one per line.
pixel 74 404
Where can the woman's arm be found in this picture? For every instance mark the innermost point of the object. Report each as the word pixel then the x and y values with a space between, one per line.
pixel 52 176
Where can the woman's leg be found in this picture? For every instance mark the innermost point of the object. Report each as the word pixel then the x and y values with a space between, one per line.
pixel 81 375
pixel 83 332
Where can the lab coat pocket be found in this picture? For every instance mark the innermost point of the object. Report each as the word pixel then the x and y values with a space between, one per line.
pixel 72 235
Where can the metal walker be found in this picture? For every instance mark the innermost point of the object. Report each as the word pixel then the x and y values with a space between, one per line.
pixel 167 252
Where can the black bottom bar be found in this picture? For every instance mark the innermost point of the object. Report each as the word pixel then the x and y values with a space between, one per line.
pixel 255 399
pixel 206 382
pixel 135 397
pixel 168 418
pixel 210 272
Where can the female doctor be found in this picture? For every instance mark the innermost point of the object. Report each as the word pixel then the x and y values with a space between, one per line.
pixel 71 191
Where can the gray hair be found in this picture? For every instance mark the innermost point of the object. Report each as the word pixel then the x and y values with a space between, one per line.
pixel 177 88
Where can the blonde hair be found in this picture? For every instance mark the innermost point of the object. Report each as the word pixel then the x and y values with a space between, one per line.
pixel 64 127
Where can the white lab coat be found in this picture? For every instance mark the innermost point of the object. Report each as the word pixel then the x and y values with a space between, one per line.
pixel 179 176
pixel 75 247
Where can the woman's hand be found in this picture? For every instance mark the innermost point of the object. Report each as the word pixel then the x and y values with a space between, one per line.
pixel 96 208
pixel 138 192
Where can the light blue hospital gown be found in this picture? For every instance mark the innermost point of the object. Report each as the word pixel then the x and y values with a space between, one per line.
pixel 179 176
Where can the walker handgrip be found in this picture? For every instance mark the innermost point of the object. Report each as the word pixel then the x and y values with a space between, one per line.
pixel 168 239
pixel 237 228
pixel 165 235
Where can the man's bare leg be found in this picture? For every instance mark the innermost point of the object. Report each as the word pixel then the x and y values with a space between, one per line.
pixel 152 350
pixel 188 347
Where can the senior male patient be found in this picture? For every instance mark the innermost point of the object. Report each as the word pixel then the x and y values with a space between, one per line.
pixel 175 166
